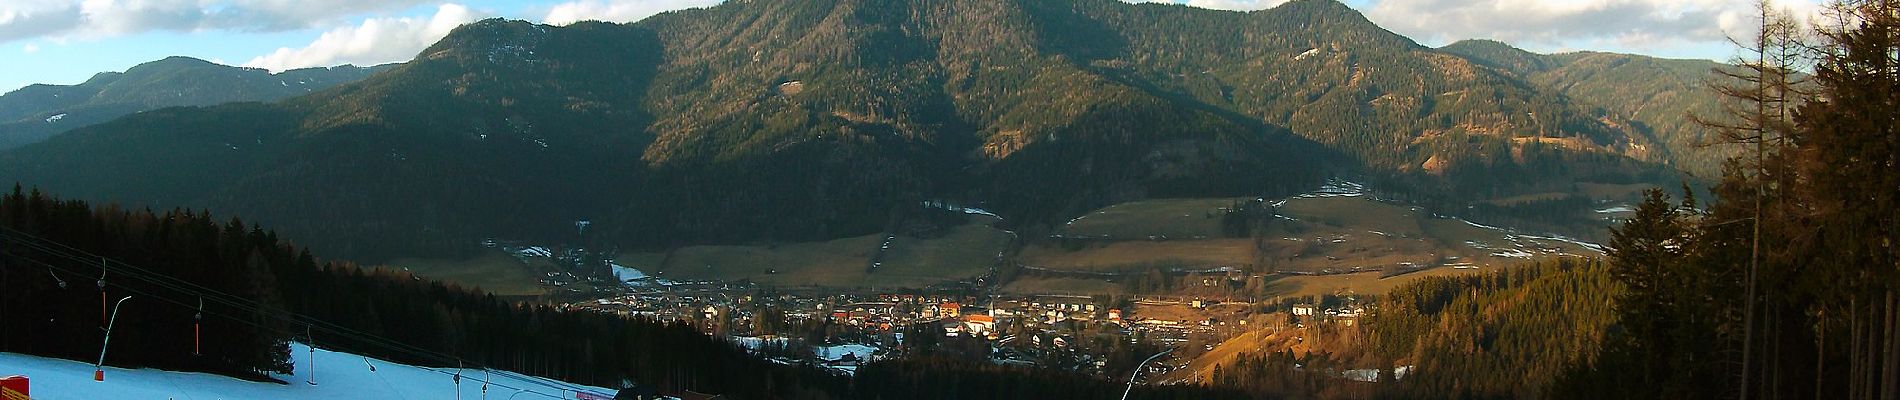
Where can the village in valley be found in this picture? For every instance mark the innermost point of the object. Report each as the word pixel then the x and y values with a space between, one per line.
pixel 1071 332
pixel 1187 280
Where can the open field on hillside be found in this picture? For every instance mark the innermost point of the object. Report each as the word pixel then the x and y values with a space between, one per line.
pixel 1311 235
pixel 1347 239
pixel 1628 191
pixel 1170 218
pixel 492 270
pixel 1132 256
pixel 962 252
pixel 1526 198
pixel 1256 341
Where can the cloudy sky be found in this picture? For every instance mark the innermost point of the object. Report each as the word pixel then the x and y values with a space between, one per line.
pixel 66 41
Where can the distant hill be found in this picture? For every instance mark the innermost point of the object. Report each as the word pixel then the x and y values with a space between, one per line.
pixel 1658 95
pixel 777 120
pixel 36 112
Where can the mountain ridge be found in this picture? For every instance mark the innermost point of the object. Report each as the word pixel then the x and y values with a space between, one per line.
pixel 1660 95
pixel 36 112
pixel 799 120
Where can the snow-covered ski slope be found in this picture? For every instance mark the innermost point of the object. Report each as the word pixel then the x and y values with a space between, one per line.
pixel 338 376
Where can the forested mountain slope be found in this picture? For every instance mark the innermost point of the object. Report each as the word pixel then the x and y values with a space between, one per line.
pixel 36 112
pixel 1659 96
pixel 798 120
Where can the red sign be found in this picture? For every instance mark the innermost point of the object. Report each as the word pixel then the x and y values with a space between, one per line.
pixel 13 388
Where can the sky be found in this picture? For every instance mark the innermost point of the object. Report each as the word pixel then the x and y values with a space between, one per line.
pixel 67 41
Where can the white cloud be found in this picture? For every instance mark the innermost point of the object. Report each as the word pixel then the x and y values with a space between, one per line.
pixel 616 10
pixel 29 18
pixel 374 41
pixel 296 14
pixel 1648 26
pixel 58 19
pixel 1634 24
pixel 30 48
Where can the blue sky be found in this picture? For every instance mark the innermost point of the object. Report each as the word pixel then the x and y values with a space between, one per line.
pixel 67 41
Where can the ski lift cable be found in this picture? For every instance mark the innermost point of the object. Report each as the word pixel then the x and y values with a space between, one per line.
pixel 286 331
pixel 234 301
pixel 280 315
pixel 246 321
pixel 188 287
pixel 373 340
pixel 146 275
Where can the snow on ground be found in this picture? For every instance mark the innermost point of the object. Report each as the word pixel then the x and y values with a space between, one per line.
pixel 1512 253
pixel 56 118
pixel 939 204
pixel 1515 237
pixel 624 273
pixel 1336 188
pixel 1468 222
pixel 1362 375
pixel 979 211
pixel 834 352
pixel 338 376
pixel 753 343
pixel 536 251
pixel 860 352
pixel 825 352
pixel 634 277
pixel 1561 238
pixel 1616 209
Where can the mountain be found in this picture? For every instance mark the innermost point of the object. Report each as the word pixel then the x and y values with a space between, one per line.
pixel 36 112
pixel 769 120
pixel 1659 96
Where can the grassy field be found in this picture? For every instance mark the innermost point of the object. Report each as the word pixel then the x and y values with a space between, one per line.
pixel 493 271
pixel 967 251
pixel 1330 235
pixel 1526 198
pixel 1173 218
pixel 1353 212
pixel 1613 190
pixel 1371 234
pixel 963 252
pixel 1131 255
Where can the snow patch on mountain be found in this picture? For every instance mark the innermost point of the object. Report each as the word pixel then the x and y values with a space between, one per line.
pixel 1308 53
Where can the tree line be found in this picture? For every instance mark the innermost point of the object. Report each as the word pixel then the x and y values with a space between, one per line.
pixel 53 302
pixel 1784 285
pixel 265 293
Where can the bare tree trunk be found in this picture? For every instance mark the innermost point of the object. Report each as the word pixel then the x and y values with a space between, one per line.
pixel 1772 370
pixel 1869 343
pixel 1870 370
pixel 1775 330
pixel 1853 347
pixel 1887 330
pixel 1754 250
